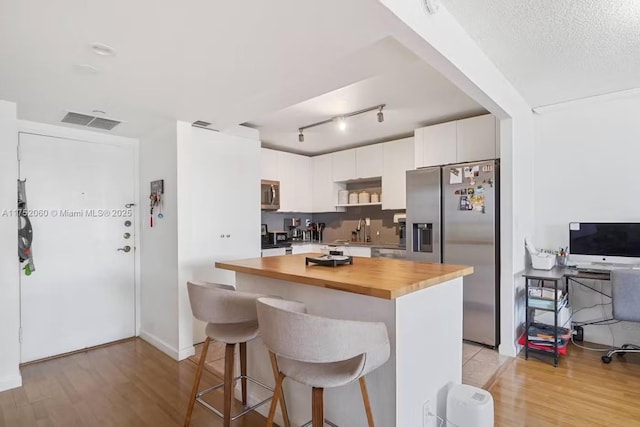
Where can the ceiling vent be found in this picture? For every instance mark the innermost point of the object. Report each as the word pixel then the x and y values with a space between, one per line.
pixel 90 121
pixel 201 124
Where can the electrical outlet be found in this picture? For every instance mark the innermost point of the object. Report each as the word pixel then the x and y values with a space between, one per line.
pixel 428 419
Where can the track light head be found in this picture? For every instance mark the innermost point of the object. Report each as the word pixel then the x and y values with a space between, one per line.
pixel 342 124
pixel 380 116
pixel 300 136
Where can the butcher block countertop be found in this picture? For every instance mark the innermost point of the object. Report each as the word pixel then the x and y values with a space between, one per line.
pixel 376 277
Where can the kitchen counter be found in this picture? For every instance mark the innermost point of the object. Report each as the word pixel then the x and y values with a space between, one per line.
pixel 421 306
pixel 381 278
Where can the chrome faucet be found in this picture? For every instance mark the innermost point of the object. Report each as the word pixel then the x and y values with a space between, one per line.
pixel 360 229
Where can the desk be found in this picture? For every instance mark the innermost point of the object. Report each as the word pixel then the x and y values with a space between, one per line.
pixel 555 275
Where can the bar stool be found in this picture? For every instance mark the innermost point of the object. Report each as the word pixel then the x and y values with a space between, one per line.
pixel 232 319
pixel 320 352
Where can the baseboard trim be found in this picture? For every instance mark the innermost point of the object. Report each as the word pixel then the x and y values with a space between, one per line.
pixel 160 344
pixel 13 381
pixel 186 352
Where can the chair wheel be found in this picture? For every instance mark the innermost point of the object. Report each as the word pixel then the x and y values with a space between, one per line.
pixel 606 359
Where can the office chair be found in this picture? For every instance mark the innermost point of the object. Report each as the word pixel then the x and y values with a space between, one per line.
pixel 625 295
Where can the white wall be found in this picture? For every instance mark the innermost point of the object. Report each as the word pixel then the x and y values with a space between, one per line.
pixel 440 40
pixel 159 245
pixel 586 170
pixel 9 289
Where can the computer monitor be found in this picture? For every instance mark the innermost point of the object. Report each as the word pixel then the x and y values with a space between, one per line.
pixel 604 242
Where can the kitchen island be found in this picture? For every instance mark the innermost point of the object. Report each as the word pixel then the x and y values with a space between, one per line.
pixel 421 305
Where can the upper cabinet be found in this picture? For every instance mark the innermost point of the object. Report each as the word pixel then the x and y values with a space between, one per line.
pixel 344 165
pixel 358 163
pixel 460 141
pixel 324 190
pixel 436 145
pixel 269 164
pixel 476 139
pixel 398 159
pixel 294 174
pixel 369 161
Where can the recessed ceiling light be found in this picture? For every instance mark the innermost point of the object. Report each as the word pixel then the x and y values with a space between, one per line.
pixel 102 49
pixel 86 68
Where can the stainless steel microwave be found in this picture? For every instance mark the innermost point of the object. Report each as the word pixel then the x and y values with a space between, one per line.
pixel 270 195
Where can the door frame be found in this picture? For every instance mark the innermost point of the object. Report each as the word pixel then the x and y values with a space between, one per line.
pixel 89 137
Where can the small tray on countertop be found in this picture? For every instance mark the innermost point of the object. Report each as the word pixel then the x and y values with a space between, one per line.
pixel 329 260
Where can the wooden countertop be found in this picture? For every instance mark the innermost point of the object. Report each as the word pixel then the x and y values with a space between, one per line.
pixel 377 277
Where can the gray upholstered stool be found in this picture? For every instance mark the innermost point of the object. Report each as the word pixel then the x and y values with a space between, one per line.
pixel 320 352
pixel 232 319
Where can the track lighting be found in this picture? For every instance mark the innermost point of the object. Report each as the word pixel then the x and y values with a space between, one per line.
pixel 342 120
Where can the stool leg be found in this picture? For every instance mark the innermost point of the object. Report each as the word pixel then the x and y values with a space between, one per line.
pixel 280 396
pixel 243 371
pixel 277 394
pixel 317 407
pixel 365 399
pixel 196 382
pixel 228 383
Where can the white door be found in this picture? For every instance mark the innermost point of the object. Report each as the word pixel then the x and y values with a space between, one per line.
pixel 82 293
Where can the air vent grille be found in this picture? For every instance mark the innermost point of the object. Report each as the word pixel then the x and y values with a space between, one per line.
pixel 90 121
pixel 77 119
pixel 201 123
pixel 106 124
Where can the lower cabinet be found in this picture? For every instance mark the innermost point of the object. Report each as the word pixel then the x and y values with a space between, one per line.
pixel 274 252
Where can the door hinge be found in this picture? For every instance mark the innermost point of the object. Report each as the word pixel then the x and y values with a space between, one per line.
pixel 20 334
pixel 18 152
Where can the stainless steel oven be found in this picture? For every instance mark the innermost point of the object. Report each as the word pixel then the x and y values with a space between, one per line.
pixel 270 195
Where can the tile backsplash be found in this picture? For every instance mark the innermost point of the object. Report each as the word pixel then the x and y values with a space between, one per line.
pixel 339 225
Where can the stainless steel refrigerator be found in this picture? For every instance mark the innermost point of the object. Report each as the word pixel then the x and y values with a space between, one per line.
pixel 453 218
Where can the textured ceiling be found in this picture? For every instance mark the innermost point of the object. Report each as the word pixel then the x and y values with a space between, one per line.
pixel 557 50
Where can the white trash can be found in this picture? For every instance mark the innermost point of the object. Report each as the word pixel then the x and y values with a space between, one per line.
pixel 469 406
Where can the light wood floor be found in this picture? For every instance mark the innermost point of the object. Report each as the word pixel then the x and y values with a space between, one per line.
pixel 581 391
pixel 126 384
pixel 133 384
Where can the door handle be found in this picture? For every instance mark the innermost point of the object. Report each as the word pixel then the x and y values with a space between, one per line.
pixel 125 249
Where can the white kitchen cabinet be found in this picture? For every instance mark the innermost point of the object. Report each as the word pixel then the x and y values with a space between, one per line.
pixel 361 251
pixel 348 250
pixel 439 144
pixel 274 252
pixel 213 231
pixel 398 159
pixel 344 165
pixel 301 249
pixel 324 194
pixel 476 138
pixel 369 161
pixel 268 164
pixel 459 141
pixel 294 174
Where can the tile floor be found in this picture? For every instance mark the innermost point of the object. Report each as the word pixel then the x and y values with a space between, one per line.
pixel 480 365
